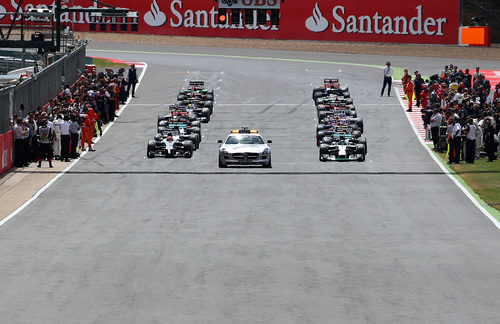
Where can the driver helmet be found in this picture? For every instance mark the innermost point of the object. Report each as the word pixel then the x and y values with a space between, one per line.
pixel 170 138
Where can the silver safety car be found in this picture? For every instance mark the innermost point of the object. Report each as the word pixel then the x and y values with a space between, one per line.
pixel 244 147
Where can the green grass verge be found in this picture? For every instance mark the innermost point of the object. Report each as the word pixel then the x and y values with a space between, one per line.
pixel 104 63
pixel 481 179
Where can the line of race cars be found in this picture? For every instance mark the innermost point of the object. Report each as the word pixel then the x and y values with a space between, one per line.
pixel 338 132
pixel 179 129
pixel 339 129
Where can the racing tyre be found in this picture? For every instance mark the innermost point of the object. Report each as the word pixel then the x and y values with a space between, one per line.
pixel 363 141
pixel 319 136
pixel 181 97
pixel 349 101
pixel 327 140
pixel 196 143
pixel 209 105
pixel 356 134
pixel 362 158
pixel 151 149
pixel 360 149
pixel 160 119
pixel 317 94
pixel 320 127
pixel 209 96
pixel 359 122
pixel 196 123
pixel 346 94
pixel 323 149
pixel 321 115
pixel 205 112
pixel 188 149
pixel 196 130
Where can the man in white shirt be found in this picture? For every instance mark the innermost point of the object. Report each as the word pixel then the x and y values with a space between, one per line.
pixel 56 145
pixel 388 72
pixel 435 123
pixel 65 139
pixel 470 146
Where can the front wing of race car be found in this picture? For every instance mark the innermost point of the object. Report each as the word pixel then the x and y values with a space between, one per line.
pixel 336 152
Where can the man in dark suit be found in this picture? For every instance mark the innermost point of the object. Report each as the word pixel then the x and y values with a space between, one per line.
pixel 132 80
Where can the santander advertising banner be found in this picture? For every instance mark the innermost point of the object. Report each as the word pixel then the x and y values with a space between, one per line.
pixel 411 21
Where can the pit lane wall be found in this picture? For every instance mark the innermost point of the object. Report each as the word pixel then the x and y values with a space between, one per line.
pixel 391 21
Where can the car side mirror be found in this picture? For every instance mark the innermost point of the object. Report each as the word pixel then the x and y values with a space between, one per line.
pixel 219 141
pixel 269 141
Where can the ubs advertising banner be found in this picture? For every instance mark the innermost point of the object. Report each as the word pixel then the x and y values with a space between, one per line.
pixel 410 21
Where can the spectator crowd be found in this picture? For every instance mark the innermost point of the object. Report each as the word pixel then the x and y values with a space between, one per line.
pixel 67 125
pixel 460 111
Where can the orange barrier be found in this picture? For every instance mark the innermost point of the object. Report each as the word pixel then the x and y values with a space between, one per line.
pixel 475 36
pixel 5 151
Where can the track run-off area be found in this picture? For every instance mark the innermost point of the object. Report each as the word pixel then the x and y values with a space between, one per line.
pixel 120 238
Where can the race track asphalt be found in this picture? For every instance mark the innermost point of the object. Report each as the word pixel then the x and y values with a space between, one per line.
pixel 125 239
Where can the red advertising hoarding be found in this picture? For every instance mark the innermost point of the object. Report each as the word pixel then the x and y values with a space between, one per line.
pixel 5 151
pixel 411 21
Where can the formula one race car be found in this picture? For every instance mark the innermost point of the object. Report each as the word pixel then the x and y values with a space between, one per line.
pixel 335 131
pixel 170 146
pixel 244 147
pixel 340 120
pixel 202 110
pixel 343 149
pixel 333 99
pixel 341 107
pixel 179 129
pixel 196 89
pixel 331 87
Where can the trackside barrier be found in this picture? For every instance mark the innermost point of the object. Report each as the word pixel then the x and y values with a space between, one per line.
pixel 36 91
pixel 5 108
pixel 389 21
pixel 5 151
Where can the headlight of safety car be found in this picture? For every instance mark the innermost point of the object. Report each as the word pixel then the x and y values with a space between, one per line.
pixel 266 150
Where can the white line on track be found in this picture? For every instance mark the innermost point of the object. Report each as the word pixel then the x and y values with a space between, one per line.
pixel 457 183
pixel 39 192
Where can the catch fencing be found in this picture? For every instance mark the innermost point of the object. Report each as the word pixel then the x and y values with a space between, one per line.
pixel 38 90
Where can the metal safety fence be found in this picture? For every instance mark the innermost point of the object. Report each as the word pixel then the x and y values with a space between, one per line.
pixel 39 89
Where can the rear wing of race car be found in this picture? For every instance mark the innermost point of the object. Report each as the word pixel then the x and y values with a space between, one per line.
pixel 196 83
pixel 331 81
pixel 344 135
pixel 179 125
pixel 335 105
